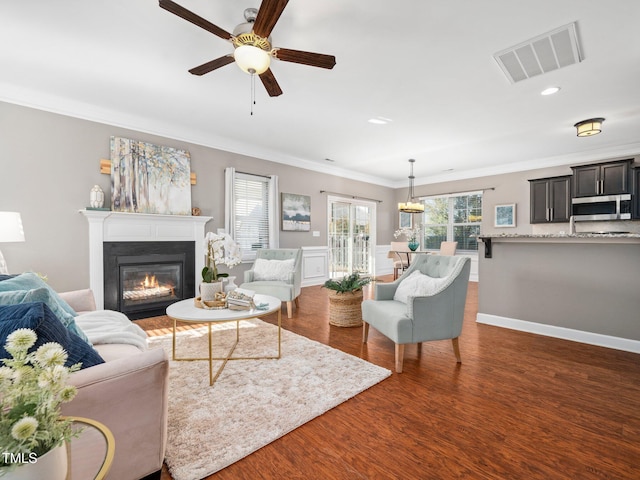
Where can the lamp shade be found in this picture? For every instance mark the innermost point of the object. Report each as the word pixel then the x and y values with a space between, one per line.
pixel 11 227
pixel 411 207
pixel 586 128
pixel 252 60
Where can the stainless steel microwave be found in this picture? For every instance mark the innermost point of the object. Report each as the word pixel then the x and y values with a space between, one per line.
pixel 603 207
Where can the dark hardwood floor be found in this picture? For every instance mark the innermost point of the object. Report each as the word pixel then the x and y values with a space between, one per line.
pixel 520 406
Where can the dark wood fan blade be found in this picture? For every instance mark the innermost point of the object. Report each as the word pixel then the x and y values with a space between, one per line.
pixel 270 83
pixel 306 58
pixel 268 15
pixel 189 16
pixel 212 65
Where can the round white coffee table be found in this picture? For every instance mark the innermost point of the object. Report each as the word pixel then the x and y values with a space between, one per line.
pixel 186 311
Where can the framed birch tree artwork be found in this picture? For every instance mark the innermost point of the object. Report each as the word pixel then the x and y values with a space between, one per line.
pixel 148 178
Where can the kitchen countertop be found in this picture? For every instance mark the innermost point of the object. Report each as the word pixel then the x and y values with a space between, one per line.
pixel 579 235
pixel 559 238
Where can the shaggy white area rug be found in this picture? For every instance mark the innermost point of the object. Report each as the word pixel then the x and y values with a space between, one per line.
pixel 253 402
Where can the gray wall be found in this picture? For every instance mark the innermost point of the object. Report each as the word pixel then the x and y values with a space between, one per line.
pixel 49 162
pixel 590 287
pixel 514 188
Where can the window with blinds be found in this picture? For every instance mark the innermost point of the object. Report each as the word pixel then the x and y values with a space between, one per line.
pixel 452 218
pixel 251 222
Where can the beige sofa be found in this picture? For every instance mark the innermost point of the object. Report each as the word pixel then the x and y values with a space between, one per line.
pixel 129 394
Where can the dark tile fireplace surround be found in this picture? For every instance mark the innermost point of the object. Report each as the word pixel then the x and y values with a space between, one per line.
pixel 142 278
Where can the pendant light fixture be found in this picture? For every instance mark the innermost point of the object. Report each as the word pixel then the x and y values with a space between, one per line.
pixel 410 206
pixel 586 128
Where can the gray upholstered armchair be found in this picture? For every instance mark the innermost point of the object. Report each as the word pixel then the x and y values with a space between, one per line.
pixel 276 272
pixel 426 303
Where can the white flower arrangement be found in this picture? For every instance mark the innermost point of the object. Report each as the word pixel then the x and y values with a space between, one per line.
pixel 220 249
pixel 32 387
pixel 411 234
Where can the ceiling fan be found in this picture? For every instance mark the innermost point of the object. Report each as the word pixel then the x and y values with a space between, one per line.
pixel 252 43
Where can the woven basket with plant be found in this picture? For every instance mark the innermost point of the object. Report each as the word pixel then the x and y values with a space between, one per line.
pixel 345 298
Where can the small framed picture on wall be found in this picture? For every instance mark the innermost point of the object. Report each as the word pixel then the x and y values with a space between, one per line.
pixel 505 215
pixel 296 212
pixel 406 220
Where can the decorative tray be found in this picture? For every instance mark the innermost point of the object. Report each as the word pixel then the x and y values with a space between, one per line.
pixel 219 303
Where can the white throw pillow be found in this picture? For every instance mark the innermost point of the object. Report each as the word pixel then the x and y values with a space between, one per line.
pixel 418 285
pixel 272 269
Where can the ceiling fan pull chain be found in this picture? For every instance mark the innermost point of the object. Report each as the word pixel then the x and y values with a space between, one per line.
pixel 253 91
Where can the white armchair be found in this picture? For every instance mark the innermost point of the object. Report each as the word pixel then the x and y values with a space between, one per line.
pixel 426 303
pixel 276 272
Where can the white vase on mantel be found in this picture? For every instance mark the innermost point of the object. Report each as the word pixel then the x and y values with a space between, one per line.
pixel 52 466
pixel 96 197
pixel 208 290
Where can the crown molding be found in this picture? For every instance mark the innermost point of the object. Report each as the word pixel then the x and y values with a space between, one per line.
pixel 72 108
pixel 152 126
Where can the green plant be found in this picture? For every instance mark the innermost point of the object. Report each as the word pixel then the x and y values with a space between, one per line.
pixel 32 386
pixel 350 283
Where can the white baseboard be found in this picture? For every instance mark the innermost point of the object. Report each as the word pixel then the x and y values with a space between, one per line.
pixel 590 338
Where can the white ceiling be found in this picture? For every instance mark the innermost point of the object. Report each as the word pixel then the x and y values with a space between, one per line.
pixel 426 64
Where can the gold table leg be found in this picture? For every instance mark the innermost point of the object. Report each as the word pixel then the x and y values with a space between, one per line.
pixel 225 359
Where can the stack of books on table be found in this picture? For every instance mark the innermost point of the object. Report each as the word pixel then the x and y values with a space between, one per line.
pixel 240 299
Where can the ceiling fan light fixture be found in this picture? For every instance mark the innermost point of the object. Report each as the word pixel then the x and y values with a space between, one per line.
pixel 252 60
pixel 587 128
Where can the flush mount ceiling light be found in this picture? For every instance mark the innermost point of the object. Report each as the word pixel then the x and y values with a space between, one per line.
pixel 410 206
pixel 587 128
pixel 550 91
pixel 379 120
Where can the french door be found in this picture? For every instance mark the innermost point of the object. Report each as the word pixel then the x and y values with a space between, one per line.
pixel 351 236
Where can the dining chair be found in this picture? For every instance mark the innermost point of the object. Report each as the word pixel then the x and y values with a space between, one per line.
pixel 448 248
pixel 401 259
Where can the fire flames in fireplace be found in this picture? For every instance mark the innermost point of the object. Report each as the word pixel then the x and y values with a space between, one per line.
pixel 147 289
pixel 142 278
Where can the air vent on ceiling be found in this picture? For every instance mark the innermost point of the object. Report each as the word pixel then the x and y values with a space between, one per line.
pixel 550 51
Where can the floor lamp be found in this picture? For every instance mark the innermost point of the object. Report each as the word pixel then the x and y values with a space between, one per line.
pixel 10 231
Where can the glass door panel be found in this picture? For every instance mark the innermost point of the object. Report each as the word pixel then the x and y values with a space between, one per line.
pixel 351 239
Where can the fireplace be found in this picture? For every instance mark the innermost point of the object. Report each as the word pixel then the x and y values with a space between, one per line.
pixel 119 227
pixel 142 278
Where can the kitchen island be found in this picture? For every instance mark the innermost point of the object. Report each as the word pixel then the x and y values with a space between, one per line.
pixel 583 287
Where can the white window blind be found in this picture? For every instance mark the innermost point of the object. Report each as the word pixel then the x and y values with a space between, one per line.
pixel 251 211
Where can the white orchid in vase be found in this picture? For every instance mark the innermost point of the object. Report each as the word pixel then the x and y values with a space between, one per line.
pixel 220 249
pixel 412 234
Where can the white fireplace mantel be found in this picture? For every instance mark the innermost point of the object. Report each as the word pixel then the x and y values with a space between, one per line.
pixel 107 226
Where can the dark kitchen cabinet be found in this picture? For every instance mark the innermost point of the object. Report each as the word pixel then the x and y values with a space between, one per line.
pixel 609 178
pixel 550 199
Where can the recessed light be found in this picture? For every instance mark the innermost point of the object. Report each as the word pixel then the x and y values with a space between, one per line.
pixel 550 91
pixel 379 120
